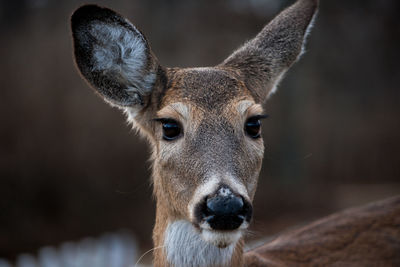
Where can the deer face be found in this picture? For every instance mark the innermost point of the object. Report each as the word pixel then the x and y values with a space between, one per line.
pixel 208 149
pixel 203 123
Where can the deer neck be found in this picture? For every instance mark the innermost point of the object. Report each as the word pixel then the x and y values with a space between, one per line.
pixel 178 243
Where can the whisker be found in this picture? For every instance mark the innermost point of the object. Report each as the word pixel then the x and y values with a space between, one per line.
pixel 144 254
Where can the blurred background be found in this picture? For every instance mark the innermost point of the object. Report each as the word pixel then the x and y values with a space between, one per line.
pixel 71 167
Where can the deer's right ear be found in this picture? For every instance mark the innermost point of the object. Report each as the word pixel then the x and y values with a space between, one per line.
pixel 113 56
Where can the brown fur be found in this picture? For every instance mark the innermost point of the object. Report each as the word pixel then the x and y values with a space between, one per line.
pixel 210 143
pixel 211 104
pixel 365 236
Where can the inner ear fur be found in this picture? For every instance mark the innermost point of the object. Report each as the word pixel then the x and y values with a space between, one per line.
pixel 263 61
pixel 113 56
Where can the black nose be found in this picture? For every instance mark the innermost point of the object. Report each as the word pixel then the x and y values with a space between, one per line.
pixel 225 211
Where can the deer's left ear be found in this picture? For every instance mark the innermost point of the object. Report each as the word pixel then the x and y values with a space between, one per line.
pixel 113 56
pixel 263 61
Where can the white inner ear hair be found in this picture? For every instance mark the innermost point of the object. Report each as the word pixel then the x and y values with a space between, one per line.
pixel 185 247
pixel 122 53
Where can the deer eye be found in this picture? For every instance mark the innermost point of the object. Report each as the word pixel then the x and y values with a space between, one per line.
pixel 252 127
pixel 171 129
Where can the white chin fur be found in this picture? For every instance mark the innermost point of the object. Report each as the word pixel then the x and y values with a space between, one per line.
pixel 220 239
pixel 186 246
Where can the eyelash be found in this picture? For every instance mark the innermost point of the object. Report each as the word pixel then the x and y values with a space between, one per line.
pixel 259 117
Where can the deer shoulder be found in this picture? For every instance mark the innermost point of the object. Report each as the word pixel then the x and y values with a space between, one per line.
pixel 363 236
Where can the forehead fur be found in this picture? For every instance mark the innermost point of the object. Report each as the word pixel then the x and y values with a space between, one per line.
pixel 207 88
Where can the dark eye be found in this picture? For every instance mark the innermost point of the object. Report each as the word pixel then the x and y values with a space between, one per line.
pixel 252 127
pixel 171 129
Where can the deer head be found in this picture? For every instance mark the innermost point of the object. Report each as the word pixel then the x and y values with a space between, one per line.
pixel 203 124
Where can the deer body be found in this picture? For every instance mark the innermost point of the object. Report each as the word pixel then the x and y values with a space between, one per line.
pixel 203 125
pixel 362 236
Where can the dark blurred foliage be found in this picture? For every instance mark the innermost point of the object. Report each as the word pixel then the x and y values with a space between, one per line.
pixel 71 167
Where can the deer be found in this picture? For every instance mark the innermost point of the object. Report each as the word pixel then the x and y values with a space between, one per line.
pixel 203 125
